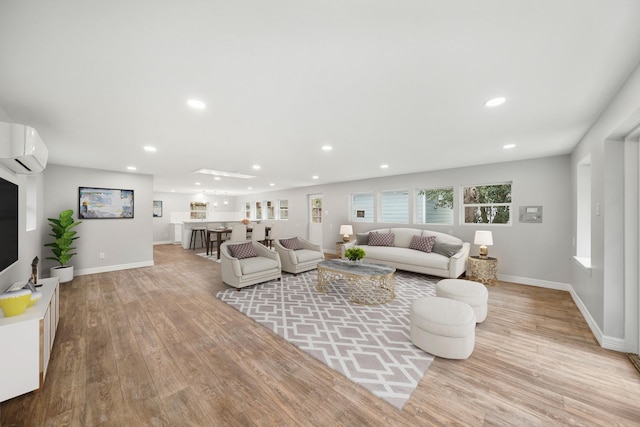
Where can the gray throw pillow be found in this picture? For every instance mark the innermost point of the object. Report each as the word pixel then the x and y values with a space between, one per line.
pixel 446 249
pixel 362 238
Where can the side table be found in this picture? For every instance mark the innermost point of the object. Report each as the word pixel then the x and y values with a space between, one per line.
pixel 484 270
pixel 339 249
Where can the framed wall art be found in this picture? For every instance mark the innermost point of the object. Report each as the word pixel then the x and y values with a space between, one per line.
pixel 104 203
pixel 157 208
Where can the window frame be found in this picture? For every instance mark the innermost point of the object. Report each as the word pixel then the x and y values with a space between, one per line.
pixel 418 204
pixel 463 205
pixel 389 196
pixel 353 212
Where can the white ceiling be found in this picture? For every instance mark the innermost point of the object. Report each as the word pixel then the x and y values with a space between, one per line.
pixel 395 82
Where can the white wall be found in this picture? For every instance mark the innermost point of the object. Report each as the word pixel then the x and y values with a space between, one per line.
pixel 528 253
pixel 29 242
pixel 179 202
pixel 126 243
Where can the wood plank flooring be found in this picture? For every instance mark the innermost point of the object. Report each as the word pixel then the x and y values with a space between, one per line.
pixel 154 346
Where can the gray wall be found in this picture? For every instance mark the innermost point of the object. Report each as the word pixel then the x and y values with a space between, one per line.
pixel 601 292
pixel 126 243
pixel 528 253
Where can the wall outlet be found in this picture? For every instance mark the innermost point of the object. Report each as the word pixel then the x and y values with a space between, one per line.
pixel 101 255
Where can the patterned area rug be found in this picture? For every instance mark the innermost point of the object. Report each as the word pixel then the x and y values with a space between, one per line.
pixel 370 345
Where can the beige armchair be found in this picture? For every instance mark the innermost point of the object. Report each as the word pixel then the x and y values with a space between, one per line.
pixel 295 261
pixel 245 269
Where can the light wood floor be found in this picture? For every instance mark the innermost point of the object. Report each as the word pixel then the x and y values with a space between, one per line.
pixel 154 346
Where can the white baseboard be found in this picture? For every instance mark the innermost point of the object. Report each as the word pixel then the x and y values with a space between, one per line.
pixel 108 268
pixel 610 343
pixel 163 242
pixel 535 282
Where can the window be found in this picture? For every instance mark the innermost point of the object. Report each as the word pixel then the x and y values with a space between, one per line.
pixel 284 209
pixel 258 210
pixel 487 204
pixel 198 210
pixel 316 210
pixel 247 210
pixel 271 210
pixel 394 206
pixel 434 206
pixel 32 202
pixel 362 207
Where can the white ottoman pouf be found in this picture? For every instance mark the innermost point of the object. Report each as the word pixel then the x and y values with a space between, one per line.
pixel 473 293
pixel 443 327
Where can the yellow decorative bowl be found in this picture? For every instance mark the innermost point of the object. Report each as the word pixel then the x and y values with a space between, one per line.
pixel 14 303
pixel 35 297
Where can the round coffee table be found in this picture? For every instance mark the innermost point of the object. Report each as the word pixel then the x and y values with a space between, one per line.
pixel 369 284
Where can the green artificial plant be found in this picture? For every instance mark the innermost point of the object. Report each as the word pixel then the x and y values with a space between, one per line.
pixel 61 228
pixel 355 253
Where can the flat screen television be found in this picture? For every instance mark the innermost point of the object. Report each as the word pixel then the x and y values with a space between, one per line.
pixel 8 224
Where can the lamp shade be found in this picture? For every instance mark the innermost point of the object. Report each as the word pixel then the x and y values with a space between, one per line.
pixel 346 229
pixel 484 238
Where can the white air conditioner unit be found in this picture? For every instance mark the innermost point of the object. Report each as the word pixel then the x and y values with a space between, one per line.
pixel 21 149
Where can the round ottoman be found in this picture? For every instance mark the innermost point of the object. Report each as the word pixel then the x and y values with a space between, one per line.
pixel 473 293
pixel 443 327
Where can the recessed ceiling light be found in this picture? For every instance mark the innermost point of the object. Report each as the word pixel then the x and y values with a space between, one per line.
pixel 256 167
pixel 216 178
pixel 384 166
pixel 131 168
pixel 150 149
pixel 249 188
pixel 173 191
pixel 495 102
pixel 272 184
pixel 196 183
pixel 315 177
pixel 327 147
pixel 507 146
pixel 195 103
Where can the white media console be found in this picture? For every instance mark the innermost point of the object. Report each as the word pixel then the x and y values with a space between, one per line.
pixel 26 341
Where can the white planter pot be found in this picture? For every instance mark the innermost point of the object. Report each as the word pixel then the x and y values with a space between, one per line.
pixel 64 274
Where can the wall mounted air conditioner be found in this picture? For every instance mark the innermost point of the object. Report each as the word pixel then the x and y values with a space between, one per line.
pixel 21 149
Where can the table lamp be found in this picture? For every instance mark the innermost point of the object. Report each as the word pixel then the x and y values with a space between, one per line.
pixel 346 230
pixel 484 239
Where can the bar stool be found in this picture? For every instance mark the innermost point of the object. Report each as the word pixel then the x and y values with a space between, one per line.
pixel 195 231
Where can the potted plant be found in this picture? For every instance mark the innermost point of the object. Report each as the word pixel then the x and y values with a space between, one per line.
pixel 61 228
pixel 355 253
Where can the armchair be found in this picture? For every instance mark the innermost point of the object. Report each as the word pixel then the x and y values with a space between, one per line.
pixel 248 268
pixel 295 261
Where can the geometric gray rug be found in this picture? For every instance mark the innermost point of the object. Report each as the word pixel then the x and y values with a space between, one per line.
pixel 370 345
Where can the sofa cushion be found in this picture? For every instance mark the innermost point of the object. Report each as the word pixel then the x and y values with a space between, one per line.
pixel 406 256
pixel 292 243
pixel 243 250
pixel 422 243
pixel 444 248
pixel 362 238
pixel 402 236
pixel 257 264
pixel 305 255
pixel 380 239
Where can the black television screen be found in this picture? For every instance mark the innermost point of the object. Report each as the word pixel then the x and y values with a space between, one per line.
pixel 8 224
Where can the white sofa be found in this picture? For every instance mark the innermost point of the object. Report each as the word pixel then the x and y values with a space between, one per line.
pixel 400 256
pixel 249 271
